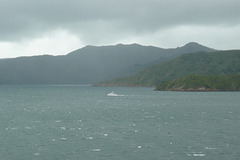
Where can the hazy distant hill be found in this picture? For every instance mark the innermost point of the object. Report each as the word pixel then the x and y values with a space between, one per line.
pixel 201 63
pixel 88 65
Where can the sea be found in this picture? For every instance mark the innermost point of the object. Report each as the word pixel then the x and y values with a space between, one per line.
pixel 81 122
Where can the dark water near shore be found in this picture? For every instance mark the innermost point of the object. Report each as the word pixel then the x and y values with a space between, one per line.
pixel 82 122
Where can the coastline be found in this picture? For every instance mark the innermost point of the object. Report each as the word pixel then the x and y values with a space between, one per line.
pixel 197 90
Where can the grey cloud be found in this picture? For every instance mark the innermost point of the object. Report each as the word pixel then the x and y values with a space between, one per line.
pixel 26 18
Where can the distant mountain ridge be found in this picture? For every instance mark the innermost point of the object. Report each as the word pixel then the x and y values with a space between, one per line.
pixel 88 65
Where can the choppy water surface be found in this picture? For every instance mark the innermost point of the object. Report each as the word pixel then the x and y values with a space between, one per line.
pixel 82 122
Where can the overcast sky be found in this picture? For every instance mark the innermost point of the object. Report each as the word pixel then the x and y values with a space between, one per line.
pixel 56 27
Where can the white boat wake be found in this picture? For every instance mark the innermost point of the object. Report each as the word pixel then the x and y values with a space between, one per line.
pixel 112 94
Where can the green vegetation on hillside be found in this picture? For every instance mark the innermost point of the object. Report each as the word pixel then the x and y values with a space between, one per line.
pixel 203 83
pixel 201 63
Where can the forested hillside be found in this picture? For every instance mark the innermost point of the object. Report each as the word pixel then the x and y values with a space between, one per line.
pixel 202 83
pixel 201 63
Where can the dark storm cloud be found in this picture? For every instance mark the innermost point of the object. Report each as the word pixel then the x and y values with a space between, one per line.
pixel 27 18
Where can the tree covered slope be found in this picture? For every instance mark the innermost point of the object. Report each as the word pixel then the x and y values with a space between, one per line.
pixel 202 83
pixel 201 63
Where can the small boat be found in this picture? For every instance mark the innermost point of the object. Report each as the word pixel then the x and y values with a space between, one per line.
pixel 112 94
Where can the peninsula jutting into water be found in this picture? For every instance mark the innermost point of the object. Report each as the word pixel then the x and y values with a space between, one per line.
pixel 215 70
pixel 202 83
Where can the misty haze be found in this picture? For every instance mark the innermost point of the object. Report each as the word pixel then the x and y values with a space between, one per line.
pixel 119 80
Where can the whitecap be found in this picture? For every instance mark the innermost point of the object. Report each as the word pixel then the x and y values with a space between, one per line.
pixel 14 128
pixel 189 154
pixel 64 139
pixel 150 116
pixel 199 154
pixel 196 154
pixel 105 134
pixel 63 128
pixel 210 148
pixel 139 147
pixel 36 154
pixel 96 150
